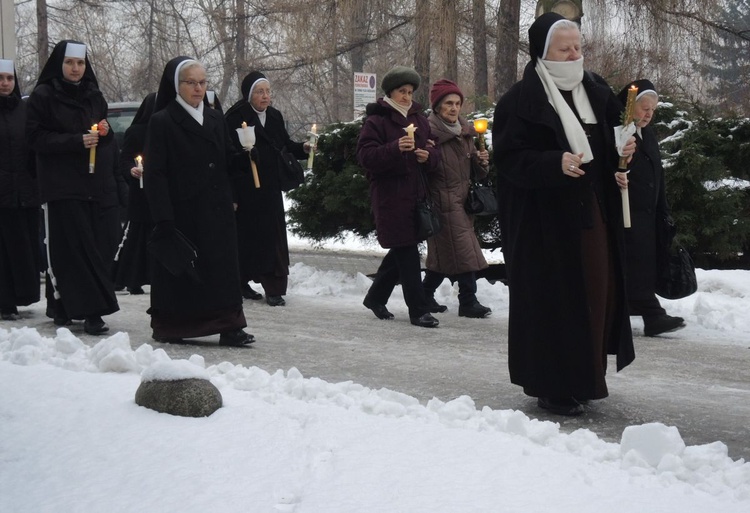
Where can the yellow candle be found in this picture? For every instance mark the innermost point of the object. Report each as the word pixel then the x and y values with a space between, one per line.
pixel 92 151
pixel 410 130
pixel 139 165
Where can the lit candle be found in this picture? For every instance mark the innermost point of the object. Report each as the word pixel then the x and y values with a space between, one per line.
pixel 410 130
pixel 139 165
pixel 247 140
pixel 313 141
pixel 92 151
pixel 480 125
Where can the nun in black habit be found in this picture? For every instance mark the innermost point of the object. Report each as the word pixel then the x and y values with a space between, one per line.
pixel 19 202
pixel 133 263
pixel 561 222
pixel 261 220
pixel 187 165
pixel 62 108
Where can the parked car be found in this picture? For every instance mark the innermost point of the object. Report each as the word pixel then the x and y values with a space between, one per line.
pixel 120 116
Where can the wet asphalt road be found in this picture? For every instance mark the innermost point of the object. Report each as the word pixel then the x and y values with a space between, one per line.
pixel 701 387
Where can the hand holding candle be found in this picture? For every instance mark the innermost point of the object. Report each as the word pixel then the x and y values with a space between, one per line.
pixel 312 141
pixel 92 151
pixel 480 125
pixel 247 140
pixel 139 166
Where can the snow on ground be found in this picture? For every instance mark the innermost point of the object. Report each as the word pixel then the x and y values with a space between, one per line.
pixel 72 438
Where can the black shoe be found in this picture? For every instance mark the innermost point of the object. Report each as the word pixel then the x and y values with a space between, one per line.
pixel 275 300
pixel 62 321
pixel 135 291
pixel 659 324
pixel 475 311
pixel 426 321
pixel 95 325
pixel 236 338
pixel 167 340
pixel 435 307
pixel 249 293
pixel 380 311
pixel 569 407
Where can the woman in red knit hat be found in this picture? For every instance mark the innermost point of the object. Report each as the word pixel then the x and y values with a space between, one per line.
pixel 454 252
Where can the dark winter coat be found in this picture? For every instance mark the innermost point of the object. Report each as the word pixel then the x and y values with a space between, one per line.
pixel 261 220
pixel 187 182
pixel 18 187
pixel 58 116
pixel 455 249
pixel 542 215
pixel 648 208
pixel 396 184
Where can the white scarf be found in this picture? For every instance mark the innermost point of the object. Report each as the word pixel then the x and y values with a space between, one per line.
pixel 399 108
pixel 568 76
pixel 261 116
pixel 195 113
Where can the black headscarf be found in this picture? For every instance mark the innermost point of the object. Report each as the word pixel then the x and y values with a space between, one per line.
pixel 538 33
pixel 167 91
pixel 145 110
pixel 248 81
pixel 642 85
pixel 53 68
pixel 246 87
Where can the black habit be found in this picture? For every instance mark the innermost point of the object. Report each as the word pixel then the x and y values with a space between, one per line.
pixel 187 183
pixel 544 216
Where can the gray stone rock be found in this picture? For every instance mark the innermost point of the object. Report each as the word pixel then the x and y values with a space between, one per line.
pixel 183 397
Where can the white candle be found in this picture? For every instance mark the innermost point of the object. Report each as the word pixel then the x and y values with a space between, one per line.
pixel 410 130
pixel 139 165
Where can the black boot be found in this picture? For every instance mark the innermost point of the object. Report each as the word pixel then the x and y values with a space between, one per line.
pixel 236 338
pixel 434 306
pixel 380 311
pixel 249 293
pixel 475 311
pixel 94 325
pixel 426 321
pixel 659 324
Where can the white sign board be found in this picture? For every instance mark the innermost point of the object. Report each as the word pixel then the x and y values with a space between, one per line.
pixel 365 91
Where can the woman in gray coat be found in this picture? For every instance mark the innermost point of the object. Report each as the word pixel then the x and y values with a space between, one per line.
pixel 454 252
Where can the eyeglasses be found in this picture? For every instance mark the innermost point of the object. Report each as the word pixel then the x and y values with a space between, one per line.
pixel 261 92
pixel 193 83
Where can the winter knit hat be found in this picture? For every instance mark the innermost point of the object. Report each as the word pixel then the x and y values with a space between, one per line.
pixel 399 76
pixel 441 89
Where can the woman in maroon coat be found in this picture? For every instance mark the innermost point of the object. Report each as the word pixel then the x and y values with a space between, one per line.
pixel 394 163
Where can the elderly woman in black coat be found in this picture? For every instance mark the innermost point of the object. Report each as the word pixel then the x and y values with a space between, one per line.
pixel 187 163
pixel 561 222
pixel 62 109
pixel 261 221
pixel 19 202
pixel 648 211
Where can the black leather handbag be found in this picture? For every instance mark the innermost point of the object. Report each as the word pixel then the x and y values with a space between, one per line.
pixel 676 279
pixel 481 200
pixel 291 174
pixel 428 220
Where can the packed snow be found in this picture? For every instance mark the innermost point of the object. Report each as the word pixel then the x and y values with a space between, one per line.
pixel 72 438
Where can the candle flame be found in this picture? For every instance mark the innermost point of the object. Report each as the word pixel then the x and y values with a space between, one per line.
pixel 315 128
pixel 244 124
pixel 95 127
pixel 139 159
pixel 480 125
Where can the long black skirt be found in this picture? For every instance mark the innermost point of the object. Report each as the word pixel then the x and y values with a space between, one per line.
pixel 77 271
pixel 19 257
pixel 133 263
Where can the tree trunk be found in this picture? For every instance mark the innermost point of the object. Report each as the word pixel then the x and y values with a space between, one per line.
pixel 422 50
pixel 449 31
pixel 479 35
pixel 506 56
pixel 42 36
